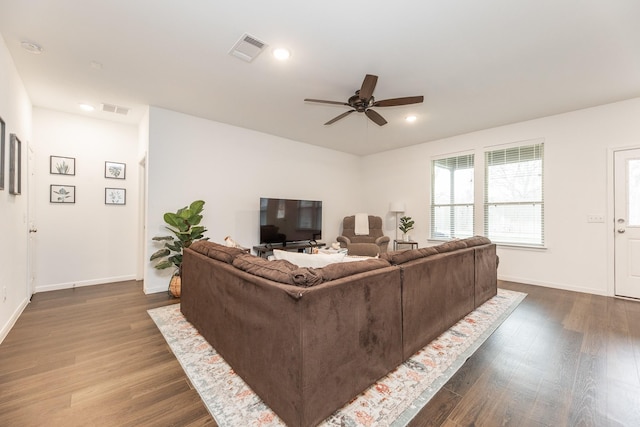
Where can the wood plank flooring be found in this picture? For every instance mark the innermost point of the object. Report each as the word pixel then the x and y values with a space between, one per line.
pixel 93 356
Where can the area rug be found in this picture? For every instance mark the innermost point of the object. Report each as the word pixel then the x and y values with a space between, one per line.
pixel 393 401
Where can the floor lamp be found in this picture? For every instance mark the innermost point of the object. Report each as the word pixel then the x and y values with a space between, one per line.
pixel 396 208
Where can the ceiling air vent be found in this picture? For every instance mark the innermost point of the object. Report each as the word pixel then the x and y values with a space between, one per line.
pixel 247 48
pixel 110 108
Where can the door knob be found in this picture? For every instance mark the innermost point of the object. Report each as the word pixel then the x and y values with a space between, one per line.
pixel 621 230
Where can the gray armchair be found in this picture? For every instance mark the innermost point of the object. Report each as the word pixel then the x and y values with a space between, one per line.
pixel 364 245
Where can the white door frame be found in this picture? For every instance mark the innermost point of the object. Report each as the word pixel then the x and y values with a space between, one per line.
pixel 610 219
pixel 31 220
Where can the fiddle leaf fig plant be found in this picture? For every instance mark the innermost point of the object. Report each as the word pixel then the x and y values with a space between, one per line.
pixel 406 224
pixel 184 224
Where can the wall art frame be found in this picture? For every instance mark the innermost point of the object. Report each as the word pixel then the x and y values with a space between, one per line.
pixel 2 129
pixel 115 170
pixel 59 165
pixel 115 196
pixel 62 193
pixel 15 165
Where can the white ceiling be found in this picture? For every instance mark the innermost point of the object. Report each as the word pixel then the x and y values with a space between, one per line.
pixel 479 64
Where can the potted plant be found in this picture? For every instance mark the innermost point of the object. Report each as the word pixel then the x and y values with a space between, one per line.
pixel 406 224
pixel 184 225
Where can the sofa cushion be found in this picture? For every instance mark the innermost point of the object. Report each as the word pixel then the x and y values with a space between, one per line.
pixel 308 260
pixel 364 249
pixel 402 256
pixel 344 269
pixel 306 277
pixel 278 270
pixel 449 246
pixel 476 241
pixel 216 251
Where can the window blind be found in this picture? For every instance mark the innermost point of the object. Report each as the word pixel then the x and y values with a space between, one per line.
pixel 452 198
pixel 514 195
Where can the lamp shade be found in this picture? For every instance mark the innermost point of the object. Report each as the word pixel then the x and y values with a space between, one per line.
pixel 396 207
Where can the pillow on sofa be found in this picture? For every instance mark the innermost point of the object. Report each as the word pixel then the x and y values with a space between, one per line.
pixel 278 271
pixel 402 256
pixel 216 251
pixel 449 246
pixel 476 241
pixel 308 260
pixel 344 269
pixel 306 277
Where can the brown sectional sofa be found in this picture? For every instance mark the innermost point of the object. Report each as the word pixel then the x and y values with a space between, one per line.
pixel 308 340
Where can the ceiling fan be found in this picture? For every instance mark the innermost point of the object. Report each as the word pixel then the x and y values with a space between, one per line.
pixel 363 100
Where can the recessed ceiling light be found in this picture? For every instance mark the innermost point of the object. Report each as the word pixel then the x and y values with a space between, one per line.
pixel 31 47
pixel 281 54
pixel 411 119
pixel 87 107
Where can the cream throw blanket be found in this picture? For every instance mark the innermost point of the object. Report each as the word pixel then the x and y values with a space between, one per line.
pixel 362 224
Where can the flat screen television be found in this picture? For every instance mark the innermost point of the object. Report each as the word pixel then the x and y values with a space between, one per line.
pixel 286 220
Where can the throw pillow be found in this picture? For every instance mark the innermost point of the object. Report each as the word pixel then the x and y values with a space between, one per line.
pixel 337 271
pixel 278 271
pixel 306 277
pixel 452 245
pixel 476 241
pixel 216 251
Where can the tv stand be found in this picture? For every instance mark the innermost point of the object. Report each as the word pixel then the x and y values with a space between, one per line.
pixel 262 250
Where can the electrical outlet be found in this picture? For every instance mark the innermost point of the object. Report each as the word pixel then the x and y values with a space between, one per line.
pixel 595 218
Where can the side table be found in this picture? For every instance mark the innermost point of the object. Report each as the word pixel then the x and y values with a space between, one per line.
pixel 397 243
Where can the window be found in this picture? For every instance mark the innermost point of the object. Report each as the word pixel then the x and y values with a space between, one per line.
pixel 514 196
pixel 452 197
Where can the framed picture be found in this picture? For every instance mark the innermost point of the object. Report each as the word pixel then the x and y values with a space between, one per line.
pixel 62 165
pixel 15 165
pixel 115 196
pixel 2 126
pixel 62 193
pixel 115 170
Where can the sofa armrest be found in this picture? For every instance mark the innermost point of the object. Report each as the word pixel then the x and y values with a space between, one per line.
pixel 344 241
pixel 382 240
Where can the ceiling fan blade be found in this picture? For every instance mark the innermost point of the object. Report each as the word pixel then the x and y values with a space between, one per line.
pixel 341 116
pixel 322 101
pixel 368 85
pixel 377 118
pixel 399 101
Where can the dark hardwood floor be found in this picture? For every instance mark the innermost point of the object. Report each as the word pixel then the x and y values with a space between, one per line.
pixel 93 356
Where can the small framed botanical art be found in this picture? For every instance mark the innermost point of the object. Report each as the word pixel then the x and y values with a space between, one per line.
pixel 115 196
pixel 62 165
pixel 2 126
pixel 62 193
pixel 15 165
pixel 115 170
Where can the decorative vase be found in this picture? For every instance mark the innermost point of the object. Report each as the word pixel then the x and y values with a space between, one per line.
pixel 407 238
pixel 174 286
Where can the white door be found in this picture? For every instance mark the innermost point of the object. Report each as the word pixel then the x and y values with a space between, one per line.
pixel 627 222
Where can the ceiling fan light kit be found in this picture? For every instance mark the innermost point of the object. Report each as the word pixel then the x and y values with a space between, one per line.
pixel 363 101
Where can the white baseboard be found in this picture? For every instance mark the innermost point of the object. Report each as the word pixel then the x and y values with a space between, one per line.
pixel 155 290
pixel 12 320
pixel 71 285
pixel 554 285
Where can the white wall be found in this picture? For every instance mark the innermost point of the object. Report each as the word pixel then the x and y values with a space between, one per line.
pixel 15 110
pixel 230 168
pixel 87 242
pixel 576 185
